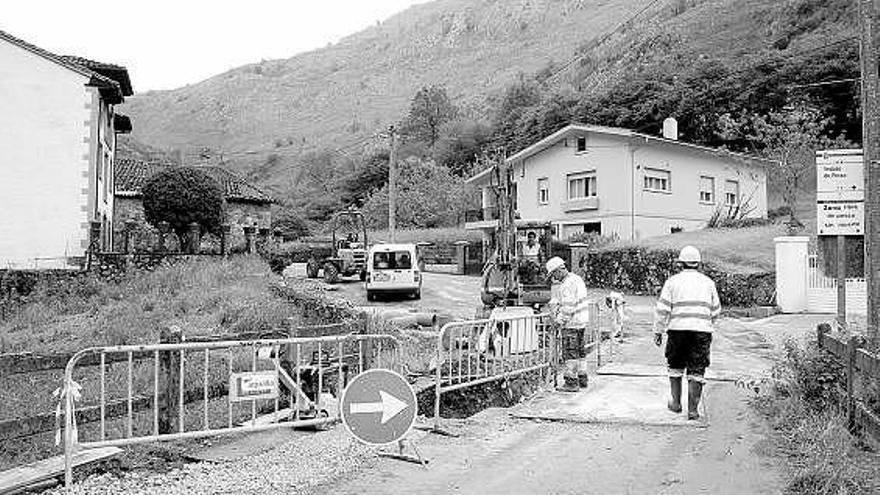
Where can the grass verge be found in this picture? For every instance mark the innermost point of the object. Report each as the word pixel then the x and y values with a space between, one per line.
pixel 803 407
pixel 201 296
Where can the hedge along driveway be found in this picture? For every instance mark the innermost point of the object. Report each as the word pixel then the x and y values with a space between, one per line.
pixel 637 270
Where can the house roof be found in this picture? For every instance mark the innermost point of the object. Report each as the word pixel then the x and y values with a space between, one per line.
pixel 116 72
pixel 614 131
pixel 112 79
pixel 131 175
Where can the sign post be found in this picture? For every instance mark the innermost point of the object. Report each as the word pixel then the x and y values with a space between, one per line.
pixel 840 207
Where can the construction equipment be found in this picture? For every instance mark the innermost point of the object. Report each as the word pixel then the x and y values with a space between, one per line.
pixel 512 278
pixel 348 254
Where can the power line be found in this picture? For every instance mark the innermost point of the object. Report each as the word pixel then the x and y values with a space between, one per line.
pixel 600 42
pixel 824 83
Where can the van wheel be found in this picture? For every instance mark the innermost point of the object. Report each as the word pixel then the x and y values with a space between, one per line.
pixel 363 276
pixel 417 295
pixel 371 296
pixel 331 273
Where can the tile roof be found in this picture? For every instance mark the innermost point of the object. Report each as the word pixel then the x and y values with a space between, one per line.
pixel 118 83
pixel 131 175
pixel 116 72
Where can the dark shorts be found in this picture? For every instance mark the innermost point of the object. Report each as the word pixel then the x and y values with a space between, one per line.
pixel 688 351
pixel 573 344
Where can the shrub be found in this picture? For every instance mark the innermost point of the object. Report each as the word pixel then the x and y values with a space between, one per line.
pixel 782 211
pixel 183 195
pixel 281 256
pixel 291 225
pixel 641 271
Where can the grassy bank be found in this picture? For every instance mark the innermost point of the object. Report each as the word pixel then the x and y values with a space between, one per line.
pixel 202 296
pixel 803 407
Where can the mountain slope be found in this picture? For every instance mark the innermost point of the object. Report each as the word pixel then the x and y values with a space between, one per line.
pixel 335 97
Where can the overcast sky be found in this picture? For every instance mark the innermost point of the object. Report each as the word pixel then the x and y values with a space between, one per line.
pixel 170 43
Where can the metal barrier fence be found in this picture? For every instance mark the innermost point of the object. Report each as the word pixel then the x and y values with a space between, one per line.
pixel 155 382
pixel 476 352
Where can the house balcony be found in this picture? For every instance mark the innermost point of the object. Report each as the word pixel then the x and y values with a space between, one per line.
pixel 483 218
pixel 583 204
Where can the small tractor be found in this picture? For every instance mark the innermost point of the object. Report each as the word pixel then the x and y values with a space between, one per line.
pixel 348 255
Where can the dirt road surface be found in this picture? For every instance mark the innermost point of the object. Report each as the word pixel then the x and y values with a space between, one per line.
pixel 496 453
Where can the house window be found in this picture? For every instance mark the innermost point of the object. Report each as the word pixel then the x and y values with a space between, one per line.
pixel 731 193
pixel 707 189
pixel 581 144
pixel 543 191
pixel 657 180
pixel 582 185
pixel 593 228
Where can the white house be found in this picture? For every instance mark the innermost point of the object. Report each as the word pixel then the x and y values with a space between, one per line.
pixel 612 181
pixel 57 148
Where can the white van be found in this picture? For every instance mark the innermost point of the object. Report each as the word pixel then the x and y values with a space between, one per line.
pixel 393 269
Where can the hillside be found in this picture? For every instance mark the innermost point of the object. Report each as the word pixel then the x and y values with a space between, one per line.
pixel 260 118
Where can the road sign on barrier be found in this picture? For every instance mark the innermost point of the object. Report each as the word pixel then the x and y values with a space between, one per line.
pixel 379 407
pixel 253 385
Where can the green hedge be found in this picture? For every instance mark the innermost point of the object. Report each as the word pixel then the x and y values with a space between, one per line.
pixel 637 270
pixel 280 257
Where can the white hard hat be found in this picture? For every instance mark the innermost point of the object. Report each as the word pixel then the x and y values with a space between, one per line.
pixel 554 263
pixel 689 254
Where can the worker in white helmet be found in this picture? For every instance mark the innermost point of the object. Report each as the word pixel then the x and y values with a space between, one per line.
pixel 686 313
pixel 569 307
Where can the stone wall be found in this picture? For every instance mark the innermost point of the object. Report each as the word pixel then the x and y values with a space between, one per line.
pixel 145 236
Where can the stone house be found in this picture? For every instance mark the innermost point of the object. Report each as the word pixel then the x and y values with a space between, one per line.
pixel 57 154
pixel 246 205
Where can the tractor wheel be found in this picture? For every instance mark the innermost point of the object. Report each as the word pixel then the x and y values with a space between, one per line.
pixel 312 268
pixel 331 273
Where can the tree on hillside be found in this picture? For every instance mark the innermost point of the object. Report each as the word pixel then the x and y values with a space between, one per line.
pixel 790 138
pixel 370 175
pixel 291 224
pixel 461 142
pixel 518 97
pixel 429 110
pixel 428 196
pixel 183 195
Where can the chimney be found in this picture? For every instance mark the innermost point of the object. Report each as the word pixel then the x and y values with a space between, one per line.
pixel 670 129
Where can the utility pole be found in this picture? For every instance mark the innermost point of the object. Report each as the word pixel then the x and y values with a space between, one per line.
pixel 868 10
pixel 392 183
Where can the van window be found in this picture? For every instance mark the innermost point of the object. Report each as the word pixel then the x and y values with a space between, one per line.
pixel 393 260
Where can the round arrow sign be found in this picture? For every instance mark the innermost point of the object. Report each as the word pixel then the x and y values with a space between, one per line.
pixel 379 407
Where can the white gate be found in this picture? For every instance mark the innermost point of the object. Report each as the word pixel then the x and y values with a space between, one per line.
pixel 822 291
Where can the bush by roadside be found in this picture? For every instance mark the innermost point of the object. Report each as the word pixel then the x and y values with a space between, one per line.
pixel 638 270
pixel 802 404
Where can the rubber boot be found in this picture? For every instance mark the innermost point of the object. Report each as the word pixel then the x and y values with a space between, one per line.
pixel 570 377
pixel 695 391
pixel 674 404
pixel 583 379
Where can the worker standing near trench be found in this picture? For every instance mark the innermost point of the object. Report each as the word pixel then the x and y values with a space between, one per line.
pixel 570 310
pixel 686 313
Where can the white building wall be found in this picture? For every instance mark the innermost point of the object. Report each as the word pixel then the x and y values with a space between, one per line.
pixel 622 204
pixel 657 213
pixel 44 160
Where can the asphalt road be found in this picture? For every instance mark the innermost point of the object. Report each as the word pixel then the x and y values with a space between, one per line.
pixel 456 296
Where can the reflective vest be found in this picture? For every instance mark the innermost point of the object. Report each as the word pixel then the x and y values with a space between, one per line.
pixel 574 306
pixel 688 301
